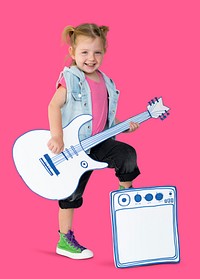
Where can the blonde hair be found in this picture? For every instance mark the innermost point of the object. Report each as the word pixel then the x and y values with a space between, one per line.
pixel 70 34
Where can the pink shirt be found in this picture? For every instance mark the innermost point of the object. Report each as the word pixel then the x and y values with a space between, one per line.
pixel 99 102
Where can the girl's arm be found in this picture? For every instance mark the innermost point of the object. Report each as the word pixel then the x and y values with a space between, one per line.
pixel 56 144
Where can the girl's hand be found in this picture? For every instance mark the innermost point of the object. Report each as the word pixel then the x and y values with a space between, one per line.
pixel 133 126
pixel 56 145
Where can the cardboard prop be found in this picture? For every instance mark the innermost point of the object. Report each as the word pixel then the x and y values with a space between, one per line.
pixel 144 226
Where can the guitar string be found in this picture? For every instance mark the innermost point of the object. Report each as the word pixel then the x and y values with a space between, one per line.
pixel 90 141
pixel 99 137
pixel 109 133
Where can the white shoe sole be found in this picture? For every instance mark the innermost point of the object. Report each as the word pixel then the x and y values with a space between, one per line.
pixel 85 254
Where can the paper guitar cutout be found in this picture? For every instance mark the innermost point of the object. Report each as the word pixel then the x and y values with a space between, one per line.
pixel 56 177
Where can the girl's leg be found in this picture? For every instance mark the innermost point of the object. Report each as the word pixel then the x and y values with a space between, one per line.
pixel 120 156
pixel 65 218
pixel 125 184
pixel 67 245
pixel 67 206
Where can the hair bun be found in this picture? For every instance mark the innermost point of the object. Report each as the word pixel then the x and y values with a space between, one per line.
pixel 104 29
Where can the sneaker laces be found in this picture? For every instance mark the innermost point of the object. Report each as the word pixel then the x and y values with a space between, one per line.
pixel 70 236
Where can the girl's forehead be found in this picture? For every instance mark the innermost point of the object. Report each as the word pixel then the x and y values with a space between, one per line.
pixel 86 41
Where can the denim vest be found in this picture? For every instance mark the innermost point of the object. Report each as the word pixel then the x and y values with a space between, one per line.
pixel 79 99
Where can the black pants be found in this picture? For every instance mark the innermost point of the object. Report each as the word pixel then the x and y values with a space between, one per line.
pixel 118 155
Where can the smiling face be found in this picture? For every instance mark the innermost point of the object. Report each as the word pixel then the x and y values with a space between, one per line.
pixel 88 54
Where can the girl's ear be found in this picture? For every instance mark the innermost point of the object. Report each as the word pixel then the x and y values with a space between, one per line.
pixel 71 52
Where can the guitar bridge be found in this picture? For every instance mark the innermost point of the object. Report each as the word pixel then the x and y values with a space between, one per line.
pixel 49 165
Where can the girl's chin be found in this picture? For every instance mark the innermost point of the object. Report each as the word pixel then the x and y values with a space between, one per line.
pixel 90 69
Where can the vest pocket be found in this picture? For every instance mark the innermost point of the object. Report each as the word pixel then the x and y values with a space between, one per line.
pixel 77 96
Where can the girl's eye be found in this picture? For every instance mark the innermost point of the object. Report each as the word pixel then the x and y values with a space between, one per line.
pixel 84 52
pixel 98 52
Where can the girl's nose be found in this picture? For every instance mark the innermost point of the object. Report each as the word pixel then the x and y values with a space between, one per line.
pixel 91 56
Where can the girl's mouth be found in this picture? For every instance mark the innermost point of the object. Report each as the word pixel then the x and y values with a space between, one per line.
pixel 90 64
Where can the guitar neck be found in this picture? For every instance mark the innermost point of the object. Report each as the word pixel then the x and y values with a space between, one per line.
pixel 113 131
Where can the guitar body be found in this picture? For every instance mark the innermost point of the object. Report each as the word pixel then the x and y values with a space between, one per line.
pixel 56 177
pixel 34 161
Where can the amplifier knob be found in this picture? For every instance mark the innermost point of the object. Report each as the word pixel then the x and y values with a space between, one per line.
pixel 138 198
pixel 148 197
pixel 159 196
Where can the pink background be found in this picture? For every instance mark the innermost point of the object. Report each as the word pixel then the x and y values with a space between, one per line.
pixel 153 51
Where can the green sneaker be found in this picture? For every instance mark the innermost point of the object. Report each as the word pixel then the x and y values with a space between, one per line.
pixel 69 247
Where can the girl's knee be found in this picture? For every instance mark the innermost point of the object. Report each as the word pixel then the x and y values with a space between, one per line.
pixel 130 154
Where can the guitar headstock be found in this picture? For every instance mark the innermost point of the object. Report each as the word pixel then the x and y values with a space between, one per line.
pixel 157 109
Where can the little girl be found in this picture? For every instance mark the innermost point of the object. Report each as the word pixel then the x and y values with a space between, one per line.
pixel 84 89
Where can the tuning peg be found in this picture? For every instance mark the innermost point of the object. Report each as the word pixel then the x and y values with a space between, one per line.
pixel 153 101
pixel 164 115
